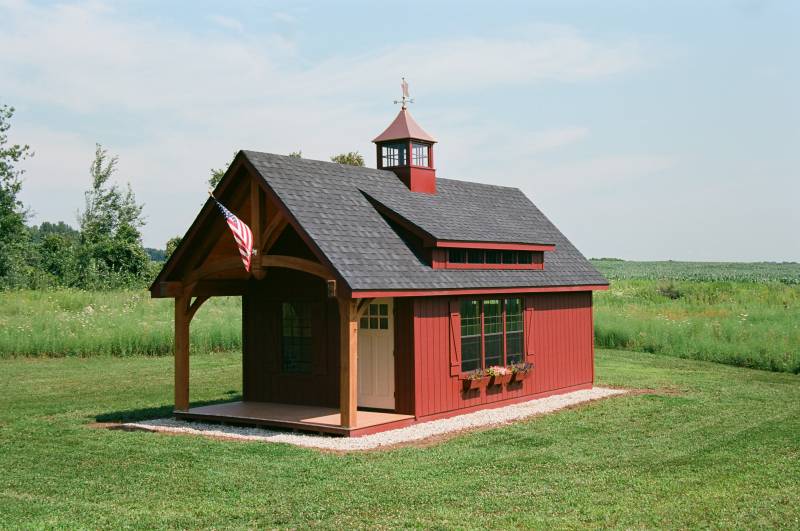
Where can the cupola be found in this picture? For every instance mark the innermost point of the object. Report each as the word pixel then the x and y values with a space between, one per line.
pixel 407 150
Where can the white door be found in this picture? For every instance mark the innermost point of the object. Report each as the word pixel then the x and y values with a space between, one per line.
pixel 376 356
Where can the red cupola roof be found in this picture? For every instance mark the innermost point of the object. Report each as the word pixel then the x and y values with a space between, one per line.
pixel 404 127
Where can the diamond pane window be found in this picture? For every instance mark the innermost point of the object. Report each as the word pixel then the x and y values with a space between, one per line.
pixel 296 337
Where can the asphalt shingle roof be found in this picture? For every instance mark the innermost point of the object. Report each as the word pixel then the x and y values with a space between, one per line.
pixel 328 200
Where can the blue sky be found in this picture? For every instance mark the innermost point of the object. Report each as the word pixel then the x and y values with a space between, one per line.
pixel 645 130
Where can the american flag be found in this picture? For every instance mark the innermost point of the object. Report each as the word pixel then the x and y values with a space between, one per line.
pixel 241 233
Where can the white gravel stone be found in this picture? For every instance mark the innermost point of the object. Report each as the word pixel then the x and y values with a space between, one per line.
pixel 414 433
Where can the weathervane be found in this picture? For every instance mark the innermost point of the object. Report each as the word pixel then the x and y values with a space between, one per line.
pixel 405 100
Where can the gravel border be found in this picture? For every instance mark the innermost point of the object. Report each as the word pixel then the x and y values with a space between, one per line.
pixel 415 433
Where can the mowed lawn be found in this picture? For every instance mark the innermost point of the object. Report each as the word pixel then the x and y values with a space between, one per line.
pixel 712 445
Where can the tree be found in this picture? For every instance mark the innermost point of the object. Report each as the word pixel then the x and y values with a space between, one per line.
pixel 13 233
pixel 296 154
pixel 217 174
pixel 110 239
pixel 353 158
pixel 40 232
pixel 172 244
pixel 54 246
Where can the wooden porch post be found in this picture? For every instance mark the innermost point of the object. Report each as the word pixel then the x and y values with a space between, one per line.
pixel 348 362
pixel 182 318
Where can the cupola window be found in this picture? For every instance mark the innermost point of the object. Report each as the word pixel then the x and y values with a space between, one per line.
pixel 405 149
pixel 394 155
pixel 419 154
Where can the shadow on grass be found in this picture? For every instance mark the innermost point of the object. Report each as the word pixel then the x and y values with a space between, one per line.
pixel 159 412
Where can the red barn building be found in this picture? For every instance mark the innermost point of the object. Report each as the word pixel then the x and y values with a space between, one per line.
pixel 377 296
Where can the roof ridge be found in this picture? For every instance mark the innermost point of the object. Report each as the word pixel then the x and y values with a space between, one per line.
pixel 303 160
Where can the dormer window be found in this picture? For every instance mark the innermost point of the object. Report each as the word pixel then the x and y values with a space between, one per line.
pixel 493 259
pixel 485 256
pixel 393 155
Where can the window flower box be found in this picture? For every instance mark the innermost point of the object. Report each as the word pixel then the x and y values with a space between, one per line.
pixel 500 375
pixel 500 379
pixel 474 380
pixel 520 371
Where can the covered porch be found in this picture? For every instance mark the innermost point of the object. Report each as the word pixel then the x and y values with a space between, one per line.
pixel 206 265
pixel 296 417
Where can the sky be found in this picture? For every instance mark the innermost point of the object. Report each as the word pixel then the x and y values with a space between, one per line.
pixel 644 130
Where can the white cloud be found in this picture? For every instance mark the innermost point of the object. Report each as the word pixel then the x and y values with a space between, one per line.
pixel 284 17
pixel 227 22
pixel 601 173
pixel 190 99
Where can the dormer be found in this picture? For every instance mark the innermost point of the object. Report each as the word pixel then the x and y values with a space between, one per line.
pixel 407 150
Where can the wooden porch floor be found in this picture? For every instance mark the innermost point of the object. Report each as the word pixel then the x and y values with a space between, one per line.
pixel 305 418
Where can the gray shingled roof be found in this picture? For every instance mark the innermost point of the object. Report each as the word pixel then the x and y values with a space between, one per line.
pixel 328 201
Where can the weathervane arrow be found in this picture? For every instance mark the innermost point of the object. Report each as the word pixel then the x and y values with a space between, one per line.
pixel 406 99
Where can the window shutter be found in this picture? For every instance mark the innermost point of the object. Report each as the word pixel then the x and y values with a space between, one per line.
pixel 455 337
pixel 528 329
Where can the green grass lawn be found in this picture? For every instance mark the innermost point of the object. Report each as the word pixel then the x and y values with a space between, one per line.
pixel 715 446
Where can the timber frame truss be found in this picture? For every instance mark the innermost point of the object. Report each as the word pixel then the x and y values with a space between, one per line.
pixel 191 277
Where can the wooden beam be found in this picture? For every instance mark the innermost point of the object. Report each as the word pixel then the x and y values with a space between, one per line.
pixel 298 264
pixel 198 301
pixel 217 266
pixel 219 288
pixel 362 306
pixel 272 231
pixel 255 212
pixel 255 226
pixel 271 260
pixel 348 363
pixel 166 290
pixel 182 319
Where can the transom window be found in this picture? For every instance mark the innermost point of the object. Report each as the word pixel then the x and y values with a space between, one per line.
pixel 491 332
pixel 394 155
pixel 419 154
pixel 296 337
pixel 376 317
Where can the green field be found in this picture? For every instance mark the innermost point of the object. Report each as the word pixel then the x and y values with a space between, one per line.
pixel 746 315
pixel 739 314
pixel 783 272
pixel 120 323
pixel 712 446
pixel 737 323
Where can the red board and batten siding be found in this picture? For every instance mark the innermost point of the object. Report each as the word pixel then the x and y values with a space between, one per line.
pixel 558 341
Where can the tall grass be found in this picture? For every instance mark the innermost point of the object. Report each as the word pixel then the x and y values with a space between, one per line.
pixel 747 323
pixel 737 323
pixel 119 323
